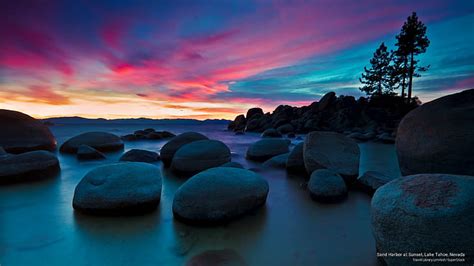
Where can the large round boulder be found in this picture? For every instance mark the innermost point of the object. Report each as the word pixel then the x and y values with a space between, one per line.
pixel 101 141
pixel 137 155
pixel 265 149
pixel 169 149
pixel 333 151
pixel 327 186
pixel 85 152
pixel 295 162
pixel 438 137
pixel 424 213
pixel 28 166
pixel 22 133
pixel 200 155
pixel 253 112
pixel 219 195
pixel 119 189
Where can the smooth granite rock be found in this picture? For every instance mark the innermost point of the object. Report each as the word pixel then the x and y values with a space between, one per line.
pixel 137 155
pixel 271 133
pixel 169 149
pixel 370 181
pixel 278 161
pixel 28 166
pixel 295 162
pixel 265 149
pixel 101 141
pixel 233 164
pixel 85 152
pixel 327 186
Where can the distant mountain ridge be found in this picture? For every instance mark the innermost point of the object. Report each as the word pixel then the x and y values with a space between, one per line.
pixel 178 121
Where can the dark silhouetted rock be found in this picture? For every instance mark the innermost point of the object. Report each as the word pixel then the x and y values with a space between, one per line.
pixel 278 161
pixel 286 128
pixel 271 133
pixel 169 149
pixel 219 195
pixel 200 155
pixel 137 155
pixel 370 181
pixel 295 162
pixel 21 133
pixel 119 189
pixel 326 100
pixel 424 213
pixel 333 151
pixel 252 112
pixel 222 257
pixel 28 166
pixel 438 137
pixel 85 152
pixel 101 141
pixel 239 123
pixel 233 164
pixel 327 186
pixel 265 149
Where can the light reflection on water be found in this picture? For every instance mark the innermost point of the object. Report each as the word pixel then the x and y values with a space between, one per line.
pixel 39 227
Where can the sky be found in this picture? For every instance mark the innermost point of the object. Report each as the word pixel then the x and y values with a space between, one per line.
pixel 213 59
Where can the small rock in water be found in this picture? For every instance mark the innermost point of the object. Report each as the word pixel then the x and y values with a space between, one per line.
pixel 265 149
pixel 169 149
pixel 85 152
pixel 327 186
pixel 278 161
pixel 137 155
pixel 370 181
pixel 295 162
pixel 101 141
pixel 28 166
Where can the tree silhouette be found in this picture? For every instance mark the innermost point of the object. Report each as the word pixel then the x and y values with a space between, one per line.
pixel 377 79
pixel 411 41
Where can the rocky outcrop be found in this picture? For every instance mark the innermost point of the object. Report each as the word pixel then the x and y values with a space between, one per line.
pixel 219 195
pixel 271 133
pixel 101 141
pixel 424 213
pixel 85 152
pixel 137 155
pixel 22 133
pixel 119 189
pixel 148 134
pixel 438 137
pixel 327 186
pixel 265 149
pixel 169 149
pixel 28 166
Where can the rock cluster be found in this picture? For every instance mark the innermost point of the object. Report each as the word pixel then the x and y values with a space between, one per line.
pixel 148 134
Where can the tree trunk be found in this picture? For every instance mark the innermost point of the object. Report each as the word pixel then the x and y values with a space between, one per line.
pixel 404 77
pixel 410 81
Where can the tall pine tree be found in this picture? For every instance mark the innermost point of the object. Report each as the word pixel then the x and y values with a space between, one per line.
pixel 411 41
pixel 376 79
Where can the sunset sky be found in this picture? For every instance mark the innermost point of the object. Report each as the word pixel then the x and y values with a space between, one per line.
pixel 212 59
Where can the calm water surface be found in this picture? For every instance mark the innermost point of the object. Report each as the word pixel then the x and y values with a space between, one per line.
pixel 39 227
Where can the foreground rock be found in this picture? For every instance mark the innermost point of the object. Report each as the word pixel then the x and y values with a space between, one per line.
pixel 295 162
pixel 327 186
pixel 222 257
pixel 438 137
pixel 28 166
pixel 278 161
pixel 169 149
pixel 137 155
pixel 200 155
pixel 424 213
pixel 101 141
pixel 370 181
pixel 265 149
pixel 333 151
pixel 219 195
pixel 85 152
pixel 119 189
pixel 22 133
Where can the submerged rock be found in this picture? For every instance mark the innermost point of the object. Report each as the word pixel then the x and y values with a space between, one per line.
pixel 85 152
pixel 278 161
pixel 424 213
pixel 28 166
pixel 169 149
pixel 233 164
pixel 101 141
pixel 22 133
pixel 327 186
pixel 219 195
pixel 295 162
pixel 333 151
pixel 438 137
pixel 220 257
pixel 119 189
pixel 200 155
pixel 137 155
pixel 370 181
pixel 265 149
pixel 271 133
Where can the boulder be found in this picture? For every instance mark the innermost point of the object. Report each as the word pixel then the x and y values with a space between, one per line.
pixel 265 149
pixel 28 166
pixel 169 149
pixel 326 100
pixel 233 164
pixel 239 123
pixel 271 133
pixel 278 161
pixel 252 112
pixel 219 195
pixel 200 155
pixel 370 181
pixel 295 162
pixel 327 186
pixel 286 128
pixel 101 141
pixel 220 257
pixel 137 155
pixel 22 133
pixel 333 151
pixel 85 152
pixel 119 189
pixel 438 137
pixel 424 213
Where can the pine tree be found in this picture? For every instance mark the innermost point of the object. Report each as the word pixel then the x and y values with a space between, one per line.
pixel 377 80
pixel 411 41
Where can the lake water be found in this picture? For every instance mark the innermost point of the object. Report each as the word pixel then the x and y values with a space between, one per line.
pixel 38 225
